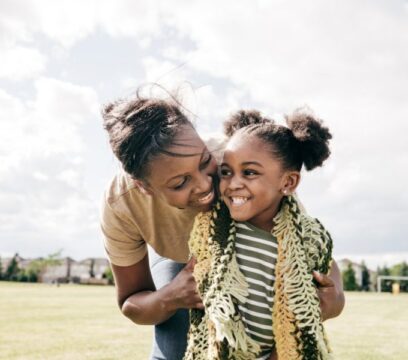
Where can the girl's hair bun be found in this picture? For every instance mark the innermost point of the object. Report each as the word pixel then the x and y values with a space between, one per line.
pixel 312 136
pixel 243 118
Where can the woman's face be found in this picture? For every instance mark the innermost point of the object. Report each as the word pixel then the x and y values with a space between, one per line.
pixel 184 181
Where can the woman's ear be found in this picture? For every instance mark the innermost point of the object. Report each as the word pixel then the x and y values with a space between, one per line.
pixel 290 182
pixel 143 187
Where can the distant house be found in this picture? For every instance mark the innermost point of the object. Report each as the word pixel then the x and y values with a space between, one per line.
pixel 60 273
pixel 358 270
pixel 91 268
pixel 86 271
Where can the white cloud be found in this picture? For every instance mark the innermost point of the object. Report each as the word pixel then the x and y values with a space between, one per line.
pixel 130 18
pixel 20 62
pixel 65 22
pixel 71 177
pixel 44 203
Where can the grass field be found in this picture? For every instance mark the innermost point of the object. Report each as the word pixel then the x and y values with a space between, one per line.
pixel 39 321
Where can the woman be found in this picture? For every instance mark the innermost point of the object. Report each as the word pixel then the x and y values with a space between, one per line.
pixel 168 178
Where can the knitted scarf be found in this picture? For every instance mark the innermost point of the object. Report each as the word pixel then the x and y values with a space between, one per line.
pixel 218 332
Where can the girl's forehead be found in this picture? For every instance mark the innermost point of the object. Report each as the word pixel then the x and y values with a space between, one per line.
pixel 243 149
pixel 244 141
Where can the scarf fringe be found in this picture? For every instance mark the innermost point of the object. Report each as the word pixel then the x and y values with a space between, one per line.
pixel 219 332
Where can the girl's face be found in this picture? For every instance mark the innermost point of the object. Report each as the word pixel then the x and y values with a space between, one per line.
pixel 251 181
pixel 184 182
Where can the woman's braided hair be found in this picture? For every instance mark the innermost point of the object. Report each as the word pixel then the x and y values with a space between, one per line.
pixel 140 129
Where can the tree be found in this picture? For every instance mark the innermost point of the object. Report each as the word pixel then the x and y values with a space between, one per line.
pixel 401 270
pixel 108 275
pixel 349 279
pixel 13 269
pixel 386 285
pixel 1 269
pixel 92 269
pixel 365 278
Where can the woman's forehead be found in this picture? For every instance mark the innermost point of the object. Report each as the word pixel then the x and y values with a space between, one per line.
pixel 186 137
pixel 181 158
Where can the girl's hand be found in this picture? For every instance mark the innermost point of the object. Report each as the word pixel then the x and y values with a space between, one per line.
pixel 330 292
pixel 274 355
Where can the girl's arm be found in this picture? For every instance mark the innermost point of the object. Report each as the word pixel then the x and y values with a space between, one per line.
pixel 141 303
pixel 330 291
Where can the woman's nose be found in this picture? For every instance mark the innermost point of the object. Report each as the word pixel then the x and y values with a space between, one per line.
pixel 204 184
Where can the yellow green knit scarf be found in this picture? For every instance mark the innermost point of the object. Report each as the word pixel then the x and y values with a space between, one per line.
pixel 219 332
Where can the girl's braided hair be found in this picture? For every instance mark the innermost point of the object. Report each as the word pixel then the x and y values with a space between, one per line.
pixel 304 141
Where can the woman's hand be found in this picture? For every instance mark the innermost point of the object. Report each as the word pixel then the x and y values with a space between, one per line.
pixel 330 292
pixel 182 291
pixel 142 303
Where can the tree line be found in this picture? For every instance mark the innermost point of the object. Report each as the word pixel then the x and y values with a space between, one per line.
pixel 36 268
pixel 350 281
pixel 32 272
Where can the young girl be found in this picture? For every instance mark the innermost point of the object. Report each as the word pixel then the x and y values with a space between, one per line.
pixel 257 249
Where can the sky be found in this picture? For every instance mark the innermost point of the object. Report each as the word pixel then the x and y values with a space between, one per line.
pixel 62 60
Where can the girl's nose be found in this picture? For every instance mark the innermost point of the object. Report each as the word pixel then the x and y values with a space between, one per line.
pixel 235 183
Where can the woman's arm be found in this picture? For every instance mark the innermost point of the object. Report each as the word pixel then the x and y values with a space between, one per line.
pixel 330 291
pixel 139 300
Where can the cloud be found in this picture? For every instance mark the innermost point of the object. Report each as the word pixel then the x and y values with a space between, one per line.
pixel 20 62
pixel 65 22
pixel 44 202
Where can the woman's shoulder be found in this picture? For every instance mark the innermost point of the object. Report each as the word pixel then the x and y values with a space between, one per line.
pixel 121 186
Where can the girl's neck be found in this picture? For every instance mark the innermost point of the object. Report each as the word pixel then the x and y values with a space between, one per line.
pixel 265 221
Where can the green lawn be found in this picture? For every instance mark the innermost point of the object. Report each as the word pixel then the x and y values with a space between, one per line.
pixel 40 321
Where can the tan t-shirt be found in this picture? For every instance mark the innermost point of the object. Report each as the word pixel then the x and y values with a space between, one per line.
pixel 130 219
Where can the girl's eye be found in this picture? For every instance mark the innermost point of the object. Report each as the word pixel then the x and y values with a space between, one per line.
pixel 225 173
pixel 249 172
pixel 181 185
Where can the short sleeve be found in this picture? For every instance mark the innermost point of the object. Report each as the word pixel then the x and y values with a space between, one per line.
pixel 123 243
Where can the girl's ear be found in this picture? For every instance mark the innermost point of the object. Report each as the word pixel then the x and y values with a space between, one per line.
pixel 143 187
pixel 290 182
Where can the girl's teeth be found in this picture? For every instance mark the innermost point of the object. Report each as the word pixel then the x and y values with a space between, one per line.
pixel 239 200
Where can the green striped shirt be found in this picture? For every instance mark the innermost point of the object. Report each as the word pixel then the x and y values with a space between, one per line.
pixel 257 251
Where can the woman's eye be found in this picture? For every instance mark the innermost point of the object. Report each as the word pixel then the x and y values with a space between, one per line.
pixel 181 185
pixel 206 161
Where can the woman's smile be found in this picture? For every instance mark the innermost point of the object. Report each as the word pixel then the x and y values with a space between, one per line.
pixel 207 198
